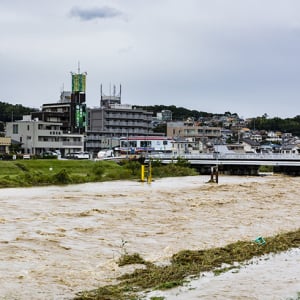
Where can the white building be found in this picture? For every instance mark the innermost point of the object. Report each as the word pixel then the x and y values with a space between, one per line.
pixel 39 136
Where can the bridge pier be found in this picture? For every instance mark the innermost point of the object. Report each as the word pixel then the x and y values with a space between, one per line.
pixel 214 174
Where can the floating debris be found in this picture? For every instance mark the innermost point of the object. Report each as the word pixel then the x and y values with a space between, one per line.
pixel 260 240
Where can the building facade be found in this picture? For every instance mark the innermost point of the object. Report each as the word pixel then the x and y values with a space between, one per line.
pixel 37 137
pixel 113 120
pixel 181 129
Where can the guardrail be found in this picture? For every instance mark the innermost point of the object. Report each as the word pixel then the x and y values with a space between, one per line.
pixel 241 156
pixel 275 159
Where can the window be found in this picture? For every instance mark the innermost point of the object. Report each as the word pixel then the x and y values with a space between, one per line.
pixel 145 143
pixel 15 129
pixel 132 144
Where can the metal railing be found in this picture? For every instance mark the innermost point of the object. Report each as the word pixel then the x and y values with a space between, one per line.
pixel 274 159
pixel 231 156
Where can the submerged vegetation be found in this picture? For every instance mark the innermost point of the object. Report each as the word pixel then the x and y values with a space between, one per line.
pixel 24 173
pixel 186 264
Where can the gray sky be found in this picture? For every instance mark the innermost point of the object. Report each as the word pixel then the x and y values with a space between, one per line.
pixel 209 55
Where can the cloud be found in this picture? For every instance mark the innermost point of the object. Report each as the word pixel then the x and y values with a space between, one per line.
pixel 94 13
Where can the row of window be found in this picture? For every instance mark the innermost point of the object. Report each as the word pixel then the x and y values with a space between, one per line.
pixel 196 132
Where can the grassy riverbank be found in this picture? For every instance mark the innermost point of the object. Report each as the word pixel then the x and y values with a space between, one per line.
pixel 186 264
pixel 24 173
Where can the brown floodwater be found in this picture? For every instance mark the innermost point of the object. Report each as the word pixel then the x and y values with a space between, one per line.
pixel 56 241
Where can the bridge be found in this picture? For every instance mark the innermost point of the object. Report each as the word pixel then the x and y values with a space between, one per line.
pixel 234 163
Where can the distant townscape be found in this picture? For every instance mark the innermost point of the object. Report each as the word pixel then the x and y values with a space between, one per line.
pixel 68 128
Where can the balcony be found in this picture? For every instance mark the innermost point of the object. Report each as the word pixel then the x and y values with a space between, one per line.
pixel 127 124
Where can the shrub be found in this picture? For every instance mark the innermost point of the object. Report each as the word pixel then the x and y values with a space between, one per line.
pixel 133 165
pixel 182 162
pixel 266 169
pixel 129 259
pixel 173 170
pixel 98 169
pixel 22 167
pixel 62 177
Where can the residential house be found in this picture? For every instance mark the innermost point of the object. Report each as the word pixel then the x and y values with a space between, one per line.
pixel 290 149
pixel 250 146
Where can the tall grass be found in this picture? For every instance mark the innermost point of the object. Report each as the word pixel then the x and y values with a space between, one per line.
pixel 24 173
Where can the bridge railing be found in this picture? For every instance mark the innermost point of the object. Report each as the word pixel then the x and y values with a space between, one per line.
pixel 226 156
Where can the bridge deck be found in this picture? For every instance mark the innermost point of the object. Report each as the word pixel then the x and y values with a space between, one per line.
pixel 232 159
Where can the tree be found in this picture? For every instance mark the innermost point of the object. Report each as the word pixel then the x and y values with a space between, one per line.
pixel 10 112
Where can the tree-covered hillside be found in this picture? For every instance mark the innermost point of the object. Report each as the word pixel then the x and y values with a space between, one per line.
pixel 9 112
pixel 178 113
pixel 291 125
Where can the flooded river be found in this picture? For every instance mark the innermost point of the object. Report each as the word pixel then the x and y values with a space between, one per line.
pixel 56 241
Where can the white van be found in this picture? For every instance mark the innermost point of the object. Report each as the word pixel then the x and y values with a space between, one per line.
pixel 105 154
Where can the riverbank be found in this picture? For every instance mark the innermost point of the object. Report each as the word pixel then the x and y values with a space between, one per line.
pixel 59 240
pixel 45 172
pixel 267 277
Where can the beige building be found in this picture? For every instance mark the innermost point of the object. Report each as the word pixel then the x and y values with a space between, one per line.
pixel 5 142
pixel 179 129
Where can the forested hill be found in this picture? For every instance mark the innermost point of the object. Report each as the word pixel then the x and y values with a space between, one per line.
pixel 178 113
pixel 9 112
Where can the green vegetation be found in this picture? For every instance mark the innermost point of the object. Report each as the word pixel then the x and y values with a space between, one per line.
pixel 266 169
pixel 291 125
pixel 130 259
pixel 178 113
pixel 9 112
pixel 24 173
pixel 189 263
pixel 179 168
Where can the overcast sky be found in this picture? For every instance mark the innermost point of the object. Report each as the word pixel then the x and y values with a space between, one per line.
pixel 240 56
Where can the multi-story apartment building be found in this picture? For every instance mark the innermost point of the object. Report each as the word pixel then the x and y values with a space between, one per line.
pixel 186 130
pixel 200 138
pixel 113 120
pixel 37 137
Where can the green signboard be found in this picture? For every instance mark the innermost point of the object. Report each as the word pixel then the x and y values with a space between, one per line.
pixel 78 82
pixel 80 116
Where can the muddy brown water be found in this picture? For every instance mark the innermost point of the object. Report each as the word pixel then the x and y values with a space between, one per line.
pixel 56 241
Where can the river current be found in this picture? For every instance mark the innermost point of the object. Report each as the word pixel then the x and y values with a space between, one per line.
pixel 56 241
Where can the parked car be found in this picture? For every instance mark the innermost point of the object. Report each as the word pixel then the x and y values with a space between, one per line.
pixel 78 155
pixel 105 154
pixel 49 154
